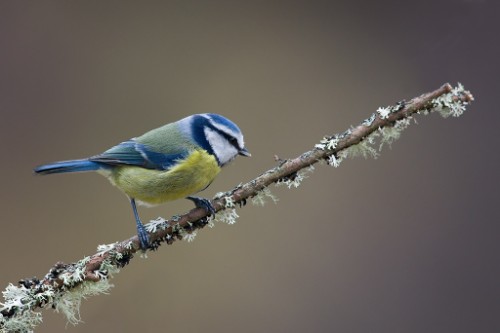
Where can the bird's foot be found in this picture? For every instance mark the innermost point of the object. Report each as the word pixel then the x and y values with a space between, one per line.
pixel 203 203
pixel 143 236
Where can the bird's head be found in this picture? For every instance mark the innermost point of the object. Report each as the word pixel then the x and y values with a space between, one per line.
pixel 217 135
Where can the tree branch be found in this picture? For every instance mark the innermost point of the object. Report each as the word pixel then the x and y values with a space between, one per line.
pixel 65 285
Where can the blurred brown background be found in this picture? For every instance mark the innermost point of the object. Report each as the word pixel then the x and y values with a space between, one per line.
pixel 405 243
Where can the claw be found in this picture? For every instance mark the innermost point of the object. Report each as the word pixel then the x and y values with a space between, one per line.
pixel 203 203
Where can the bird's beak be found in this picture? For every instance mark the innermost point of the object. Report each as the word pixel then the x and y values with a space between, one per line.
pixel 244 152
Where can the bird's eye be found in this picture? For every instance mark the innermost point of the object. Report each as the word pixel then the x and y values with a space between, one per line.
pixel 233 141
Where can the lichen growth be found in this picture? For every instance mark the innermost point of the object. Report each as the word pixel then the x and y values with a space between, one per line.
pixel 190 237
pixel 261 197
pixel 389 134
pixel 74 275
pixel 384 112
pixel 227 216
pixel 67 298
pixel 450 104
pixel 21 300
pixel 328 143
pixel 369 121
pixel 364 148
pixel 69 302
pixel 104 248
pixel 296 179
pixel 130 245
pixel 153 225
pixel 334 161
pixel 229 202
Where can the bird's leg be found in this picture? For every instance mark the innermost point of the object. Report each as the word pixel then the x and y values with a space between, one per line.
pixel 203 203
pixel 141 231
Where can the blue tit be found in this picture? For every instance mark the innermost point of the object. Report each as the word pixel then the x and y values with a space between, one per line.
pixel 168 163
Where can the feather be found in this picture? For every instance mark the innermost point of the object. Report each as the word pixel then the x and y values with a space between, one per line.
pixel 137 154
pixel 68 166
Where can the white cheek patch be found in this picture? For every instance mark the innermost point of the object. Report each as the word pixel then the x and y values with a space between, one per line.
pixel 224 150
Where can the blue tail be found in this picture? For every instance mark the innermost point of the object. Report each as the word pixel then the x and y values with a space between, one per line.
pixel 68 166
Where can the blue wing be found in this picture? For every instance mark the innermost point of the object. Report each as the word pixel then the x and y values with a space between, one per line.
pixel 133 153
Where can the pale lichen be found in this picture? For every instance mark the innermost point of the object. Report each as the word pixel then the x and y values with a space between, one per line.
pixel 66 298
pixel 69 302
pixel 451 104
pixel 153 225
pixel 364 148
pixel 389 134
pixel 210 222
pixel 296 179
pixel 261 197
pixel 73 275
pixel 104 248
pixel 229 201
pixel 21 300
pixel 189 237
pixel 227 216
pixel 384 112
pixel 328 143
pixel 334 161
pixel 369 121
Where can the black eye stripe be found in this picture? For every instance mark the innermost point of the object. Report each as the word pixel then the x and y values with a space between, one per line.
pixel 231 139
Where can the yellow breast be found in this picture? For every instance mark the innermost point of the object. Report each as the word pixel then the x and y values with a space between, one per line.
pixel 189 176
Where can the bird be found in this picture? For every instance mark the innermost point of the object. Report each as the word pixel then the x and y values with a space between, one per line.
pixel 170 162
